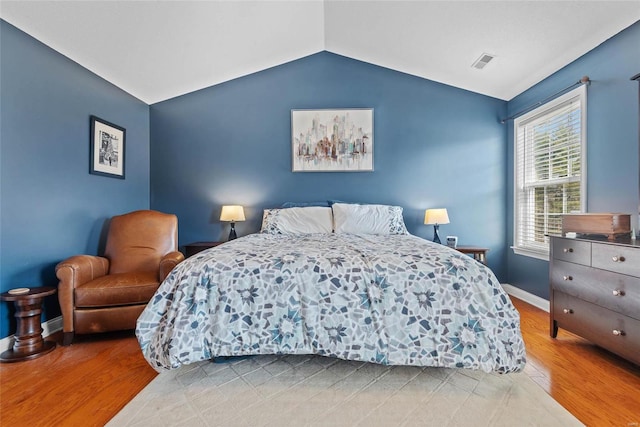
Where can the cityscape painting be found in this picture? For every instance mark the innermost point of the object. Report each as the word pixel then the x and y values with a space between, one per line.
pixel 339 140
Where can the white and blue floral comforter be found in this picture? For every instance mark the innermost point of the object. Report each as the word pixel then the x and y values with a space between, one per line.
pixel 395 299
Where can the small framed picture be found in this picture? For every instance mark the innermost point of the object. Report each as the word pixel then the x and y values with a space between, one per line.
pixel 452 241
pixel 107 148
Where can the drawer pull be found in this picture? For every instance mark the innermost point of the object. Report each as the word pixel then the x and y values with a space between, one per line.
pixel 567 311
pixel 617 259
pixel 567 250
pixel 567 278
pixel 618 332
pixel 618 293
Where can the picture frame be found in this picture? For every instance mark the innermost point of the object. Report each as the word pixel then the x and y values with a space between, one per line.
pixel 332 140
pixel 107 148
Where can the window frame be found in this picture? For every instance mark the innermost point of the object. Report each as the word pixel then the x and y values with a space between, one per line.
pixel 580 93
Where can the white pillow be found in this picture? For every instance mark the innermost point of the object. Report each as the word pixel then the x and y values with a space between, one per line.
pixel 307 220
pixel 368 219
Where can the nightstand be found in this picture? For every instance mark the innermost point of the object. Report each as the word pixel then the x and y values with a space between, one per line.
pixel 479 253
pixel 195 247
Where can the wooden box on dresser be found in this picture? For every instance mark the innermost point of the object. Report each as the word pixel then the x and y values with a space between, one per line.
pixel 595 293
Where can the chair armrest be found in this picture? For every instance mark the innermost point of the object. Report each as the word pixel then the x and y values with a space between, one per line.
pixel 81 269
pixel 168 262
pixel 72 273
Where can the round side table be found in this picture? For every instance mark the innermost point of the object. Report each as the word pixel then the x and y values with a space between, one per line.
pixel 28 342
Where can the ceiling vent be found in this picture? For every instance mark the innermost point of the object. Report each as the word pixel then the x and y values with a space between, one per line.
pixel 484 59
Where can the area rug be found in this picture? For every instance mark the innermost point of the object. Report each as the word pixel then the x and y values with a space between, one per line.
pixel 321 391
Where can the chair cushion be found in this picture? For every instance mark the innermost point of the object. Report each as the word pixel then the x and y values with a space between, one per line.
pixel 138 240
pixel 117 289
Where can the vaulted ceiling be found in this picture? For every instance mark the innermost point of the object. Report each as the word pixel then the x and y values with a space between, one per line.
pixel 157 50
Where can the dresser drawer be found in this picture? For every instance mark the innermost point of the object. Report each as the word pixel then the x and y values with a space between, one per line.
pixel 621 259
pixel 614 291
pixel 571 250
pixel 618 333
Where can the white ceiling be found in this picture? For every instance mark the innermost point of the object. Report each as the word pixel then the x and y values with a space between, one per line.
pixel 157 50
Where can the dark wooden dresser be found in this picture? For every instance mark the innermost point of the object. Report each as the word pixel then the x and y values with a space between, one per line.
pixel 595 293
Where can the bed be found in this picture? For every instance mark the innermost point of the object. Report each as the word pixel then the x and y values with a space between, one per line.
pixel 346 281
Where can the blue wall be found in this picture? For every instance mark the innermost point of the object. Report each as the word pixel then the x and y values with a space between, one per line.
pixel 51 207
pixel 612 140
pixel 435 146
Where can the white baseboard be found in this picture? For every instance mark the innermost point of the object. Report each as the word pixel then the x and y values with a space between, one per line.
pixel 49 327
pixel 525 296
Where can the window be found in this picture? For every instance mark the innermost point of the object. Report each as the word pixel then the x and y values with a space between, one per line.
pixel 550 170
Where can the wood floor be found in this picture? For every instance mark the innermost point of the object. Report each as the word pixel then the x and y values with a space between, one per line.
pixel 87 383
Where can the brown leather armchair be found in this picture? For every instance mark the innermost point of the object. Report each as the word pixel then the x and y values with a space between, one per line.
pixel 100 294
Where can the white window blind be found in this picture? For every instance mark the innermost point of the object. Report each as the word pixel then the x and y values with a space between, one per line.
pixel 549 170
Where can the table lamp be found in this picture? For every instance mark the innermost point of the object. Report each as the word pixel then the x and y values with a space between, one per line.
pixel 436 217
pixel 232 213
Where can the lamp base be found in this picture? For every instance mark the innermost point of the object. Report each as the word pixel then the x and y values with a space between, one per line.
pixel 232 233
pixel 436 238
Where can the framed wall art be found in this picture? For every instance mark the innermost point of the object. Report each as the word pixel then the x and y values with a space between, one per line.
pixel 107 148
pixel 332 140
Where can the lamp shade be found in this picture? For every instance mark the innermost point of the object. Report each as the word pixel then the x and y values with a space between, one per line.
pixel 232 213
pixel 436 216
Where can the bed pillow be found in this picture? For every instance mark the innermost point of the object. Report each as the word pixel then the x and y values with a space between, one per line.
pixel 306 220
pixel 368 219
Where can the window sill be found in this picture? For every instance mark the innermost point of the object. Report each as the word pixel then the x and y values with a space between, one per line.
pixel 543 255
